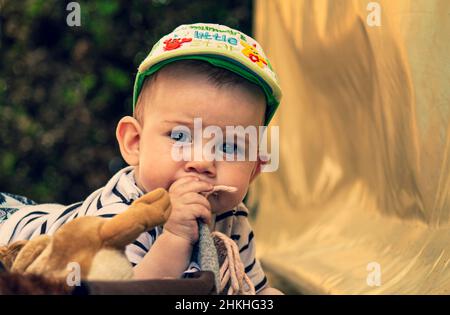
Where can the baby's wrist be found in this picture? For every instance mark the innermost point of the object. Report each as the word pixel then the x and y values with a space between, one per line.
pixel 178 238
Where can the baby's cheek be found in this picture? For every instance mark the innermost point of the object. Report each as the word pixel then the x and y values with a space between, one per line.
pixel 242 194
pixel 239 179
pixel 161 174
pixel 150 179
pixel 236 198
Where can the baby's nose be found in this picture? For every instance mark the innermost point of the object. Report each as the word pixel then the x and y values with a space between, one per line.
pixel 203 167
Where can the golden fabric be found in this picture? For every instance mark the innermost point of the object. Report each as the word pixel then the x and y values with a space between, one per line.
pixel 364 123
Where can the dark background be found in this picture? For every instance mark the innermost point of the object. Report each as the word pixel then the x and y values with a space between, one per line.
pixel 63 89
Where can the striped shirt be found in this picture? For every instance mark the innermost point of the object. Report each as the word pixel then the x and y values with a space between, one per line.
pixel 28 220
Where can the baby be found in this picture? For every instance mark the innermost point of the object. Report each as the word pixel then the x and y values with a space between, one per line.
pixel 199 71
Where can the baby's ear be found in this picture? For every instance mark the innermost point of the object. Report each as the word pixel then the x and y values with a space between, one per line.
pixel 257 170
pixel 128 134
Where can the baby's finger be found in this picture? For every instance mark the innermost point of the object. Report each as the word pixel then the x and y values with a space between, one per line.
pixel 193 186
pixel 182 181
pixel 201 212
pixel 195 198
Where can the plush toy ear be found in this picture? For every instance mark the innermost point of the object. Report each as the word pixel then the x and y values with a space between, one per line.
pixel 8 253
pixel 150 210
pixel 29 252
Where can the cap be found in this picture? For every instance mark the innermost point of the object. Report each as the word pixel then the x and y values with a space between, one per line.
pixel 222 47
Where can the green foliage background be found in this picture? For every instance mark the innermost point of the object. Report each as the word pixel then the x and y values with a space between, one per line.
pixel 63 89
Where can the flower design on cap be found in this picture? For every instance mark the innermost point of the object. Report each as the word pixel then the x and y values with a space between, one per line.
pixel 174 43
pixel 252 53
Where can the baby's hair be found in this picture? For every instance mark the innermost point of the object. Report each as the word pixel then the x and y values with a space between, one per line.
pixel 220 77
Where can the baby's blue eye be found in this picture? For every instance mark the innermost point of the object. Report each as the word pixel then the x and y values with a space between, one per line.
pixel 180 136
pixel 232 150
pixel 229 148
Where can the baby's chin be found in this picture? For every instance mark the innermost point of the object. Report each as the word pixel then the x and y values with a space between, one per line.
pixel 221 204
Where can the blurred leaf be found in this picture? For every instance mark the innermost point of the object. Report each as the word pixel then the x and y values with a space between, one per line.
pixel 34 8
pixel 117 78
pixel 8 163
pixel 88 82
pixel 107 7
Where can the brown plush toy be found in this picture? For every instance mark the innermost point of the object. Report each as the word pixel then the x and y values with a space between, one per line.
pixel 94 244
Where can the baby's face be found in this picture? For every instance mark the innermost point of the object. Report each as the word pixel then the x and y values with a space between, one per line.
pixel 176 101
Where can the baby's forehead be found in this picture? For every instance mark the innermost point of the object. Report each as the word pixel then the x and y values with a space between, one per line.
pixel 208 118
pixel 201 72
pixel 223 98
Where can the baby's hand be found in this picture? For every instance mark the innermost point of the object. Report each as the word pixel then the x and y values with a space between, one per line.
pixel 187 206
